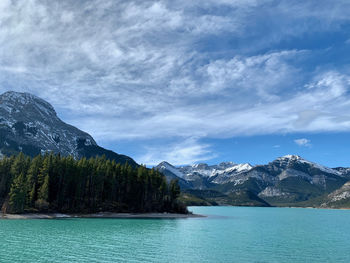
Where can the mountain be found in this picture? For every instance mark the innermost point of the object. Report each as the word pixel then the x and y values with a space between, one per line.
pixel 339 198
pixel 202 176
pixel 172 173
pixel 287 181
pixel 30 125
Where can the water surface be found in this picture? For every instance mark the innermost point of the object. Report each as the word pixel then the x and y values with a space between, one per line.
pixel 228 234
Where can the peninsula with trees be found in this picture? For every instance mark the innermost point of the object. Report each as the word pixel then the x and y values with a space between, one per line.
pixel 55 184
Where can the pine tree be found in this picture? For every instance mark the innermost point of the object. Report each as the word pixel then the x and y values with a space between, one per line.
pixel 32 178
pixel 174 189
pixel 43 195
pixel 63 184
pixel 43 183
pixel 19 165
pixel 18 194
pixel 44 190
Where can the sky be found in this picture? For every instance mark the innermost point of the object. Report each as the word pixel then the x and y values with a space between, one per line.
pixel 189 81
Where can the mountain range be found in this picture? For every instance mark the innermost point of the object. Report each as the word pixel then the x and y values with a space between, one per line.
pixel 287 181
pixel 30 125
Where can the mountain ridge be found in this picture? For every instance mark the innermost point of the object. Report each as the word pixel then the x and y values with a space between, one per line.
pixel 289 180
pixel 30 125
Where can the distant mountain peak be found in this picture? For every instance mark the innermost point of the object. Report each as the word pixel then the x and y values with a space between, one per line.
pixel 165 163
pixel 288 160
pixel 291 157
pixel 167 166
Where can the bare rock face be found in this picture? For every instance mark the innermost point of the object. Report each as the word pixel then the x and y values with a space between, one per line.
pixel 30 125
pixel 272 192
pixel 339 198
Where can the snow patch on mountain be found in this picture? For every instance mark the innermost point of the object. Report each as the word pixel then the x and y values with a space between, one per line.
pixel 29 120
pixel 167 166
pixel 237 168
pixel 287 159
pixel 206 170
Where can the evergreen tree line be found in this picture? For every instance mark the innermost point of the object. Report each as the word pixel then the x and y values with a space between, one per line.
pixel 52 183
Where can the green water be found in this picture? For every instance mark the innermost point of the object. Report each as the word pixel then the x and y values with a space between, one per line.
pixel 228 234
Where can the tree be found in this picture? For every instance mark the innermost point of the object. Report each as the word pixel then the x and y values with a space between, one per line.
pixel 18 194
pixel 64 184
pixel 43 195
pixel 19 165
pixel 32 178
pixel 174 189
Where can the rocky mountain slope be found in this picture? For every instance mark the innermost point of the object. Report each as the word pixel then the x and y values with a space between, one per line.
pixel 340 198
pixel 287 181
pixel 30 125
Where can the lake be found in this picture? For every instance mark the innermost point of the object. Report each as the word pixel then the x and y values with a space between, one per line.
pixel 228 234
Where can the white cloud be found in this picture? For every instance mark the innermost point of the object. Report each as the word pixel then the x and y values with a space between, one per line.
pixel 187 151
pixel 162 69
pixel 264 75
pixel 318 108
pixel 303 142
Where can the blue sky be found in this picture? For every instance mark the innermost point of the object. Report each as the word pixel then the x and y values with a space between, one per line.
pixel 189 81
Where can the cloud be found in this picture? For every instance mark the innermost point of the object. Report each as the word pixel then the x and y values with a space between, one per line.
pixel 135 70
pixel 320 107
pixel 186 152
pixel 303 142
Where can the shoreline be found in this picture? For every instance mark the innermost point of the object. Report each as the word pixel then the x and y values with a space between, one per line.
pixel 100 215
pixel 112 215
pixel 304 207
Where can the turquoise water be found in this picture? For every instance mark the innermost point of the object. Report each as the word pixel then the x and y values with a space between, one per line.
pixel 228 234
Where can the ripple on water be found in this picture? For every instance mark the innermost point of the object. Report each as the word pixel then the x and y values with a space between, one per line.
pixel 230 234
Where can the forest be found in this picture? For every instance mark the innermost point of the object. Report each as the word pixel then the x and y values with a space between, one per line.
pixel 53 183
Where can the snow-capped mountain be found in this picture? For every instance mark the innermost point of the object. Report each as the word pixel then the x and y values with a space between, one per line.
pixel 289 160
pixel 201 175
pixel 288 179
pixel 213 170
pixel 279 169
pixel 30 125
